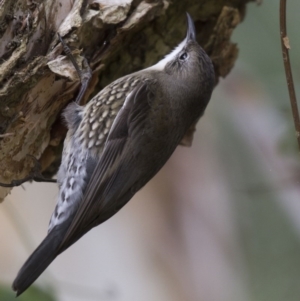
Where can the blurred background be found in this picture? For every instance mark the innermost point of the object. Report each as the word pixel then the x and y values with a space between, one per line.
pixel 220 222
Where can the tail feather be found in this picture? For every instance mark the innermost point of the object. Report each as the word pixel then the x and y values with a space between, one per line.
pixel 39 260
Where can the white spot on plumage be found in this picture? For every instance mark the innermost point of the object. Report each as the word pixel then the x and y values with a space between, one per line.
pixel 95 125
pixel 72 181
pixel 91 134
pixel 93 118
pixel 134 83
pixel 105 113
pixel 108 123
pixel 82 137
pixel 91 143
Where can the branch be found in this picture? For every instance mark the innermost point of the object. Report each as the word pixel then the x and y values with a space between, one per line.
pixel 288 70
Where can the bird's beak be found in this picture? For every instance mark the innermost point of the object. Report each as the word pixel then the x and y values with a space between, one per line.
pixel 191 31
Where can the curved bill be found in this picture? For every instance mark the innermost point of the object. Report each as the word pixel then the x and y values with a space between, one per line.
pixel 191 31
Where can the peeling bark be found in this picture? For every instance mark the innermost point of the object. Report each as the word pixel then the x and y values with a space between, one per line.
pixel 116 36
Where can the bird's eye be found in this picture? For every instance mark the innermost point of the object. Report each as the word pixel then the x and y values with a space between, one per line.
pixel 183 56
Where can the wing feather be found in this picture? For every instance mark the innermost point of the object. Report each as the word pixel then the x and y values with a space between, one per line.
pixel 97 205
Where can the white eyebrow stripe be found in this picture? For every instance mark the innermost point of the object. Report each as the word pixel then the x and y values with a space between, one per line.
pixel 162 63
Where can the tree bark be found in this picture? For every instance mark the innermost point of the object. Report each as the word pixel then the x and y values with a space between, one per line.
pixel 116 36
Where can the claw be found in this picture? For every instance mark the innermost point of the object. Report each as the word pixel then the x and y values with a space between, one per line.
pixel 84 74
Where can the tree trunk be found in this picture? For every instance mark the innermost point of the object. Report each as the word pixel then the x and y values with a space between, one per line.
pixel 116 36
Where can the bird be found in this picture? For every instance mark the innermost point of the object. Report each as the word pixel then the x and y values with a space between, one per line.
pixel 118 141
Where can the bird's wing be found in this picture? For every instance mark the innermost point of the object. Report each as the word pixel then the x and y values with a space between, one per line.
pixel 127 127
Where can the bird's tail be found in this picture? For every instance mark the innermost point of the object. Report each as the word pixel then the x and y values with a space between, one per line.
pixel 39 260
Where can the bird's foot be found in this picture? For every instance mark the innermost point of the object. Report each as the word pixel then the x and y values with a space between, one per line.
pixel 85 73
pixel 34 175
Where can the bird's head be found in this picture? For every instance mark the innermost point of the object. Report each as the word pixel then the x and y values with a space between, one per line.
pixel 188 61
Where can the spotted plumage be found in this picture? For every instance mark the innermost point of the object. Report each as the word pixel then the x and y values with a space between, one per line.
pixel 89 127
pixel 100 112
pixel 118 142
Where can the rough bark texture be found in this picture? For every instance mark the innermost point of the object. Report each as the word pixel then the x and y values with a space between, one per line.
pixel 116 36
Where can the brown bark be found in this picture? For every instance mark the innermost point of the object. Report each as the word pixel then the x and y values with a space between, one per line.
pixel 116 36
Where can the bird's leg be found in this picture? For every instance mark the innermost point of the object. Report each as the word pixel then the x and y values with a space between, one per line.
pixel 34 175
pixel 85 74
